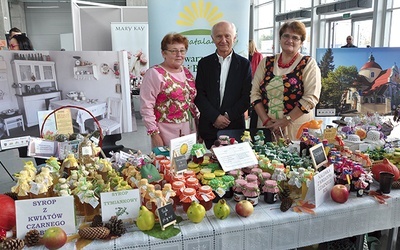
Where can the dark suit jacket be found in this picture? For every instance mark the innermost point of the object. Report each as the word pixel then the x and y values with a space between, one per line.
pixel 236 97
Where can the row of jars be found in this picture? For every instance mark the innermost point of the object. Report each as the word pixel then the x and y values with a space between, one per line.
pixel 248 189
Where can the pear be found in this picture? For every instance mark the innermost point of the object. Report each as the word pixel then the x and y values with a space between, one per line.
pixel 221 209
pixel 196 212
pixel 146 219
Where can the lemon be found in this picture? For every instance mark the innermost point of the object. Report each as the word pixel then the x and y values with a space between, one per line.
pixel 184 148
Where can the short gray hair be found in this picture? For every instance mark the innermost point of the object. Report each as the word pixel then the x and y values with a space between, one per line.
pixel 233 27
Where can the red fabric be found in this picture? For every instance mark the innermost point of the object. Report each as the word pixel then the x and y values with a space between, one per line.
pixel 255 60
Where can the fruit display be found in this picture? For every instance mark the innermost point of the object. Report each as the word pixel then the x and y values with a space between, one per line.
pixel 54 238
pixel 146 219
pixel 244 208
pixel 221 209
pixel 196 212
pixel 340 193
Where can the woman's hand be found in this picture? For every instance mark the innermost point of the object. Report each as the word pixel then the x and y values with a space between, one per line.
pixel 156 141
pixel 276 125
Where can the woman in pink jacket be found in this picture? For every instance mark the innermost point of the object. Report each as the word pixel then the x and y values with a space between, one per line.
pixel 167 94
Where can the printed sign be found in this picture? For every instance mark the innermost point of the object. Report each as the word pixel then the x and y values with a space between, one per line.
pixel 41 214
pixel 235 156
pixel 182 146
pixel 64 121
pixel 125 204
pixel 319 189
pixel 166 215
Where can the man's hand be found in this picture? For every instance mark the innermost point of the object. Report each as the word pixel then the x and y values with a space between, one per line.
pixel 221 122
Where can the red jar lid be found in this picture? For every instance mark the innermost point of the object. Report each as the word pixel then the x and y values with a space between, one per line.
pixel 192 181
pixel 188 195
pixel 188 173
pixel 205 193
pixel 177 185
pixel 178 177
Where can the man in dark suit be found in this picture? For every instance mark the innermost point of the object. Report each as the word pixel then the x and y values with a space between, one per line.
pixel 223 83
pixel 349 43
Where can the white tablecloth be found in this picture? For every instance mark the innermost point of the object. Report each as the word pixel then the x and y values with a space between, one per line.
pixel 269 228
pixel 80 116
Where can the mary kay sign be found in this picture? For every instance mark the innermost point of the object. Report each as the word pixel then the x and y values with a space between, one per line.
pixel 41 214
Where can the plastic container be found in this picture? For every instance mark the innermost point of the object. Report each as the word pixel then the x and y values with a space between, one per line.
pixel 205 196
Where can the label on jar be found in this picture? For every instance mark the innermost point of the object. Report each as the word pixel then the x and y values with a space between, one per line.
pixel 238 196
pixel 253 200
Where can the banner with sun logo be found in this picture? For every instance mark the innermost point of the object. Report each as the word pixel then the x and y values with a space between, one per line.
pixel 194 19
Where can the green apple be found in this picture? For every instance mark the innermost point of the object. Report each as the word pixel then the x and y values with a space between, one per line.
pixel 145 220
pixel 196 212
pixel 54 238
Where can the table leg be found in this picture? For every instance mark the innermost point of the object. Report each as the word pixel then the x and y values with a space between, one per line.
pixel 359 242
pixel 12 178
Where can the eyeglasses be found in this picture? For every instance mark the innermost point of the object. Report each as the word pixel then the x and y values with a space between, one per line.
pixel 11 46
pixel 175 51
pixel 294 38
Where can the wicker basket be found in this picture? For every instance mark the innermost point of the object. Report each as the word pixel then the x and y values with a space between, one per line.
pixel 75 107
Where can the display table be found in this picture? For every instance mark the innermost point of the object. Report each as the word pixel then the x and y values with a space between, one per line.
pixel 80 116
pixel 269 228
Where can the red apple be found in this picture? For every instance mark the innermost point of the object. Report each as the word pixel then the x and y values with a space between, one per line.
pixel 244 208
pixel 54 238
pixel 340 193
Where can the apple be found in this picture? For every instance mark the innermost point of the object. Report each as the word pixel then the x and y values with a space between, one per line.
pixel 54 238
pixel 244 208
pixel 340 193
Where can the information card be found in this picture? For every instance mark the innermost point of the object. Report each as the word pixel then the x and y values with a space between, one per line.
pixel 125 204
pixel 321 185
pixel 41 214
pixel 235 156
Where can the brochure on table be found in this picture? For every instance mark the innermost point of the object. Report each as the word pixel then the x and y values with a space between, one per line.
pixel 41 214
pixel 235 156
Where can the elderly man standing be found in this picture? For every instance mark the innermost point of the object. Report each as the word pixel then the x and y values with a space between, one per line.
pixel 223 83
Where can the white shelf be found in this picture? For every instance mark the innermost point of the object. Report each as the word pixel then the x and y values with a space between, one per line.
pixel 87 72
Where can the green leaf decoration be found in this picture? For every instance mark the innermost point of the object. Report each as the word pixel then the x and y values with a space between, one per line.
pixel 169 231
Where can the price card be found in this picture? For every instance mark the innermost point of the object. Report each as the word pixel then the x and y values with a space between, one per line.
pixel 180 164
pixel 166 215
pixel 41 214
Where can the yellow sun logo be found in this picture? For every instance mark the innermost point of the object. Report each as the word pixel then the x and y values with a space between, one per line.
pixel 197 11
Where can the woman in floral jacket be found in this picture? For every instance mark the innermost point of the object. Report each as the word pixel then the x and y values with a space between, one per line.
pixel 167 94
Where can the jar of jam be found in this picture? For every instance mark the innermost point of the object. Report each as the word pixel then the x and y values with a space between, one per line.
pixel 187 196
pixel 237 174
pixel 150 194
pixel 202 172
pixel 218 188
pixel 271 191
pixel 263 177
pixel 192 182
pixel 194 167
pixel 165 166
pixel 197 153
pixel 238 189
pixel 142 189
pixel 189 173
pixel 252 192
pixel 178 177
pixel 252 178
pixel 157 160
pixel 205 196
pixel 178 187
pixel 228 181
pixel 207 177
